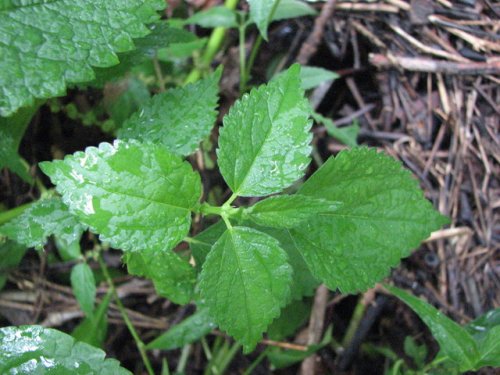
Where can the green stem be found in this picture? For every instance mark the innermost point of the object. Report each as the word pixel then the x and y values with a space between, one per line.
pixel 181 367
pixel 139 343
pixel 6 216
pixel 256 362
pixel 213 46
pixel 242 29
pixel 357 316
pixel 228 357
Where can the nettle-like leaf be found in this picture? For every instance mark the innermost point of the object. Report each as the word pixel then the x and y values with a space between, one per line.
pixel 38 350
pixel 44 218
pixel 244 282
pixel 382 218
pixel 264 144
pixel 83 285
pixel 47 44
pixel 288 211
pixel 178 119
pixel 173 277
pixel 136 196
pixel 455 342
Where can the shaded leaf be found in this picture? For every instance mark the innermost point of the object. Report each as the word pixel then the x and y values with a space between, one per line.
pixel 38 350
pixel 292 9
pixel 312 76
pixel 46 45
pixel 264 144
pixel 202 243
pixel 292 317
pixel 348 135
pixel 254 284
pixel 11 254
pixel 83 285
pixel 216 16
pixel 136 196
pixel 261 13
pixel 382 218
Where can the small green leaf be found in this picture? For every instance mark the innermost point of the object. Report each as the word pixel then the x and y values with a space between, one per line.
pixel 94 329
pixel 217 16
pixel 489 349
pixel 9 158
pixel 454 341
pixel 44 218
pixel 186 332
pixel 348 135
pixel 293 9
pixel 312 76
pixel 83 285
pixel 173 277
pixel 382 218
pixel 11 254
pixel 136 196
pixel 38 350
pixel 264 144
pixel 248 294
pixel 292 317
pixel 61 43
pixel 261 13
pixel 178 119
pixel 288 211
pixel 417 352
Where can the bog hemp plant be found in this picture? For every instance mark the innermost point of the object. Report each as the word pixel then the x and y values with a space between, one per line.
pixel 345 226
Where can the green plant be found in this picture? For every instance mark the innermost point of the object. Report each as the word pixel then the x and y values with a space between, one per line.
pixel 345 226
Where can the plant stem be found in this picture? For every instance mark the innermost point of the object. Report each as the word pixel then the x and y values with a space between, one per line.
pixel 357 316
pixel 243 57
pixel 181 367
pixel 256 362
pixel 123 312
pixel 213 46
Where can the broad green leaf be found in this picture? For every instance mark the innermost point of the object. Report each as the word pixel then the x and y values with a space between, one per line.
pixel 292 9
pixel 288 211
pixel 11 254
pixel 244 283
pixel 38 350
pixel 313 76
pixel 178 119
pixel 61 43
pixel 83 285
pixel 455 342
pixel 292 317
pixel 44 218
pixel 136 196
pixel 264 144
pixel 146 48
pixel 186 332
pixel 348 135
pixel 489 349
pixel 261 14
pixel 217 16
pixel 382 218
pixel 172 276
pixel 202 243
pixel 94 329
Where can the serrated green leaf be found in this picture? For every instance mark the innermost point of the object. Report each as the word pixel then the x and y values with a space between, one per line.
pixel 264 144
pixel 382 218
pixel 261 13
pixel 11 254
pixel 313 76
pixel 292 9
pixel 173 277
pixel 186 332
pixel 489 349
pixel 254 284
pixel 61 43
pixel 44 218
pixel 83 285
pixel 94 329
pixel 178 119
pixel 454 341
pixel 216 16
pixel 38 350
pixel 136 196
pixel 288 211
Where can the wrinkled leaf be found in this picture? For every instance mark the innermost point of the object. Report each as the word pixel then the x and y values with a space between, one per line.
pixel 134 195
pixel 254 284
pixel 382 218
pixel 94 329
pixel 288 211
pixel 44 218
pixel 172 276
pixel 264 144
pixel 186 332
pixel 47 45
pixel 454 341
pixel 38 350
pixel 178 119
pixel 83 285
